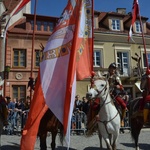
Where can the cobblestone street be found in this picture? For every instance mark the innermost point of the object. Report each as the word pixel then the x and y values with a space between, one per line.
pixel 80 142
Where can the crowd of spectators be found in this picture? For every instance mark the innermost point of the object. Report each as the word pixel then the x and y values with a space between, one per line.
pixel 80 111
pixel 17 112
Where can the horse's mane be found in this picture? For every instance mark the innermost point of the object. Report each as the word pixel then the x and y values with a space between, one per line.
pixel 134 105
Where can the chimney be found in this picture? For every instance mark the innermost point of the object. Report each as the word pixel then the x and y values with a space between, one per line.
pixel 121 10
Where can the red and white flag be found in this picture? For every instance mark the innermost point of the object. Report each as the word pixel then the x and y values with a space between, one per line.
pixel 66 57
pixel 135 13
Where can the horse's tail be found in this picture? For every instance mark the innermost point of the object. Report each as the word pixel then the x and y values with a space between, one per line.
pixel 136 127
pixel 136 118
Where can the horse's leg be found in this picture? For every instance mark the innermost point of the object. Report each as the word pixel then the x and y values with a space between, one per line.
pixel 115 138
pixel 53 144
pixel 110 139
pixel 43 145
pixel 100 139
pixel 136 126
pixel 109 147
pixel 105 135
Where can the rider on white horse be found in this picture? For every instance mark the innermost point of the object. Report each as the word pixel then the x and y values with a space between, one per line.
pixel 109 119
pixel 116 88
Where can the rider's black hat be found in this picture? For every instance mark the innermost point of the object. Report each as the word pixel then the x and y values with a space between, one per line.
pixel 113 65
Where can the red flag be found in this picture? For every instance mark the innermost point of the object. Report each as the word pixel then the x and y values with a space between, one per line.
pixel 81 59
pixel 37 110
pixel 70 42
pixel 135 13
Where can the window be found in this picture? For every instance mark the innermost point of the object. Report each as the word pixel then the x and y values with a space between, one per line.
pixel 122 62
pixel 144 59
pixel 116 24
pixel 96 61
pixel 19 58
pixel 138 27
pixel 37 58
pixel 38 25
pixel 51 26
pixel 45 24
pixel 19 91
pixel 32 25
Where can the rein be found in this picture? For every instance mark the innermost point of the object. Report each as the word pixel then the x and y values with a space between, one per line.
pixel 105 122
pixel 104 102
pixel 99 92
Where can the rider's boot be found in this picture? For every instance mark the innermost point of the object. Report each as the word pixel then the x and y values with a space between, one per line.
pixel 145 113
pixel 123 116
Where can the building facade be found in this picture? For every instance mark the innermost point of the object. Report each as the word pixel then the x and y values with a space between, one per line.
pixel 110 45
pixel 23 52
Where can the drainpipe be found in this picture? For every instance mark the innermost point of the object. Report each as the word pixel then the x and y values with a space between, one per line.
pixel 2 53
pixel 6 39
pixel 2 59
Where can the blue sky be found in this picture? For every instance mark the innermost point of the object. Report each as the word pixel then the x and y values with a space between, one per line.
pixel 55 7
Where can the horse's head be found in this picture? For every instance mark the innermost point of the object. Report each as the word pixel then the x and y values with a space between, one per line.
pixel 99 88
pixel 145 82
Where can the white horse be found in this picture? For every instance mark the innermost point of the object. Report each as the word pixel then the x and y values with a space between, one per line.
pixel 109 119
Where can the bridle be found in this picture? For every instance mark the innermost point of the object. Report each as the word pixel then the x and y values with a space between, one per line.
pixel 99 92
pixel 104 102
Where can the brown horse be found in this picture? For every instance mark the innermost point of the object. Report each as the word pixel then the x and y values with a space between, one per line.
pixel 134 106
pixel 136 120
pixel 49 123
pixel 136 112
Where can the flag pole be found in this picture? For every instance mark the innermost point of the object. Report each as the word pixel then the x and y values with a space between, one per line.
pixel 143 38
pixel 92 34
pixel 92 73
pixel 32 54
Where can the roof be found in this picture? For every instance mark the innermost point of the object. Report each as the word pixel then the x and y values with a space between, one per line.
pixel 126 17
pixel 11 4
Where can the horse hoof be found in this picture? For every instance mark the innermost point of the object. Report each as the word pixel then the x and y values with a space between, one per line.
pixel 122 131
